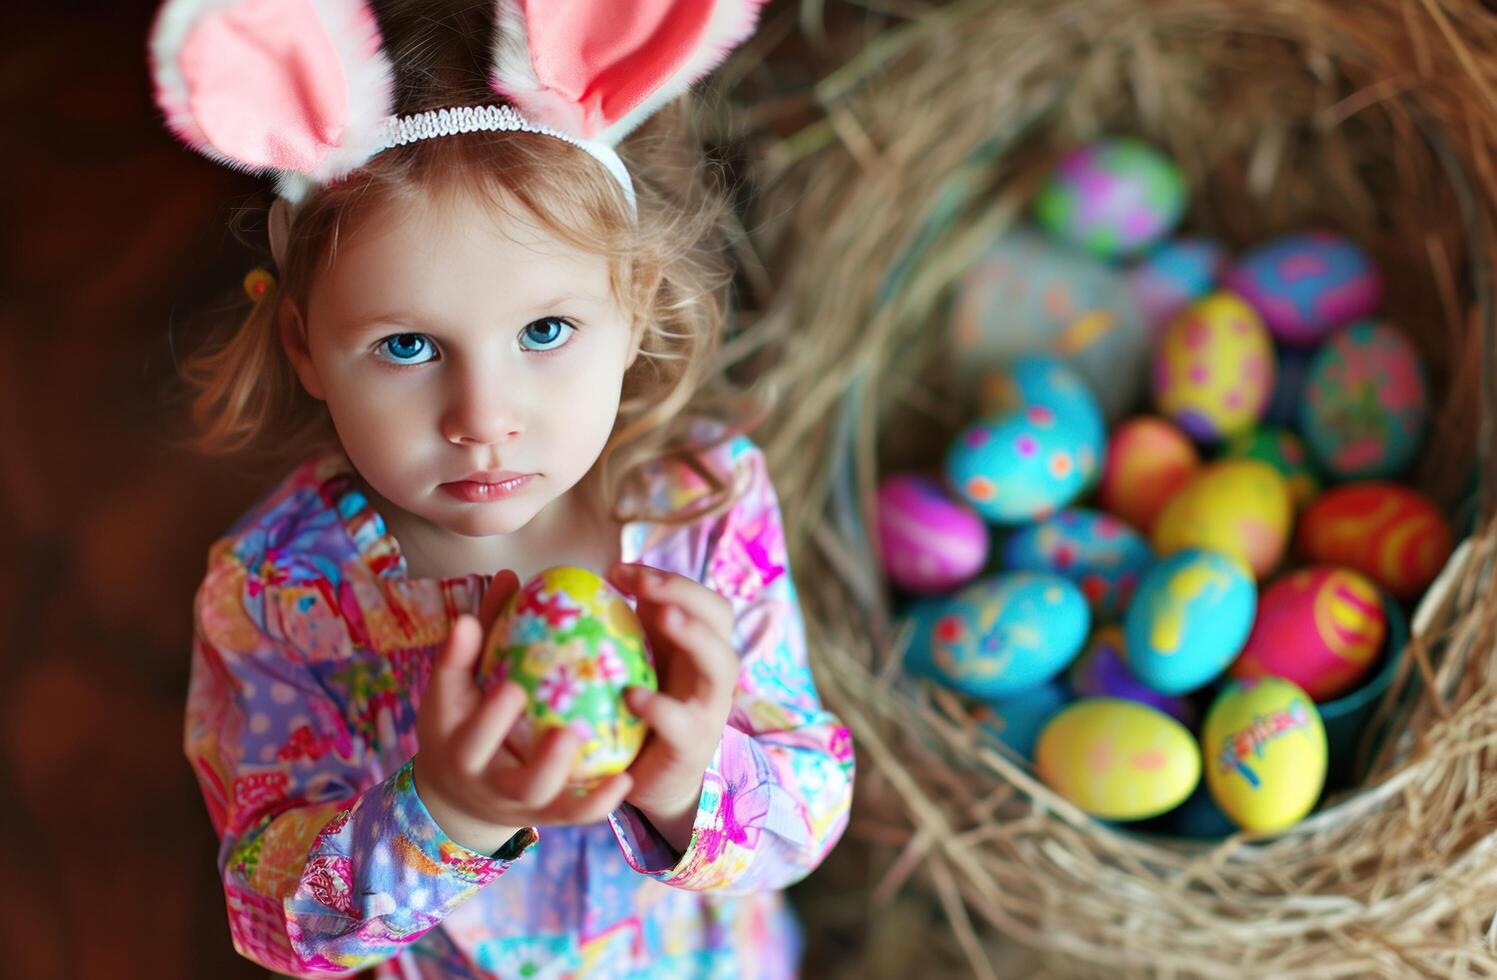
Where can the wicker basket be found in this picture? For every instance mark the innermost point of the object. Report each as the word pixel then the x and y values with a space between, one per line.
pixel 1378 118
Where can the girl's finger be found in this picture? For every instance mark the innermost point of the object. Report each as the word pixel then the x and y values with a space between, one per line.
pixel 669 589
pixel 670 720
pixel 451 693
pixel 593 806
pixel 504 584
pixel 716 665
pixel 475 743
pixel 537 783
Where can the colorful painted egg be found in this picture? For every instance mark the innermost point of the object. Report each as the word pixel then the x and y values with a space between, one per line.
pixel 1102 671
pixel 1285 452
pixel 573 642
pixel 1174 275
pixel 1100 553
pixel 1028 295
pixel 1239 507
pixel 1306 285
pixel 1365 404
pixel 1320 627
pixel 1265 753
pixel 1118 760
pixel 1023 466
pixel 1112 198
pixel 1214 368
pixel 1148 460
pixel 1291 373
pixel 1043 379
pixel 1017 721
pixel 1394 535
pixel 931 542
pixel 1005 634
pixel 1190 617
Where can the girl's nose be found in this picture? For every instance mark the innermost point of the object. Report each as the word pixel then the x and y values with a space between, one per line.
pixel 483 411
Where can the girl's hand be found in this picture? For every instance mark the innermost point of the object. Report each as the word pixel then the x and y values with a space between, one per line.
pixel 690 628
pixel 475 789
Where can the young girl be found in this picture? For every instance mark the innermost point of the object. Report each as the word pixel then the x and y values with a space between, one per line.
pixel 495 333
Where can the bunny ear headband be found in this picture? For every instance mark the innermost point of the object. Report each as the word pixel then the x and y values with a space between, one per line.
pixel 302 89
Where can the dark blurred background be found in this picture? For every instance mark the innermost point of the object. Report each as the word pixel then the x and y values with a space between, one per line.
pixel 112 232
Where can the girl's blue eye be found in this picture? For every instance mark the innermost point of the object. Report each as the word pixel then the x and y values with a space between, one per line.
pixel 406 348
pixel 547 333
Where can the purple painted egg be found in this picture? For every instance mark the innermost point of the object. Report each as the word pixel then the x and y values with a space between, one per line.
pixel 1304 286
pixel 931 541
pixel 1102 671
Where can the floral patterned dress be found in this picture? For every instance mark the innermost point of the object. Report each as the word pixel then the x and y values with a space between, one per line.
pixel 311 651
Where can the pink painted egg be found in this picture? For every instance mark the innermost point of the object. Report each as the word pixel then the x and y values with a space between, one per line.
pixel 1148 460
pixel 1320 627
pixel 931 541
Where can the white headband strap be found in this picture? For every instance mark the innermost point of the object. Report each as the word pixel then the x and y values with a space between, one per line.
pixel 400 130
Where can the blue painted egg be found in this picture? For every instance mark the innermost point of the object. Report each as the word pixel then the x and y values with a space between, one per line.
pixel 1174 275
pixel 1025 465
pixel 1304 286
pixel 1018 720
pixel 1028 295
pixel 1366 403
pixel 1004 634
pixel 1100 553
pixel 1190 617
pixel 1102 671
pixel 1043 379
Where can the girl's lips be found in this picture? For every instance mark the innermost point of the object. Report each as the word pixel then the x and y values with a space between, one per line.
pixel 475 492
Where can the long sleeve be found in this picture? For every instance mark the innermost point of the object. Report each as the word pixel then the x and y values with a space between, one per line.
pixel 328 864
pixel 776 795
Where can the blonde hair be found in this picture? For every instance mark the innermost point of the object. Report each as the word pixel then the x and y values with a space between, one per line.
pixel 670 267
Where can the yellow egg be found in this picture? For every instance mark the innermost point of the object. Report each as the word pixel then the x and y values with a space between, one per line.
pixel 1265 751
pixel 1117 759
pixel 572 641
pixel 1239 507
pixel 1214 368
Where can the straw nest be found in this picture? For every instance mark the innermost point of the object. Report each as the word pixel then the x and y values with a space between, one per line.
pixel 882 181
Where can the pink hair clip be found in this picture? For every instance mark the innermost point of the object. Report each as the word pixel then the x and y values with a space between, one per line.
pixel 302 90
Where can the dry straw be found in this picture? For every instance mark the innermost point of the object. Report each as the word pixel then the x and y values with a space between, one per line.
pixel 1376 117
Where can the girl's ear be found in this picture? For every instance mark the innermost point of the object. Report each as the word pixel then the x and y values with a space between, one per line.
pixel 293 330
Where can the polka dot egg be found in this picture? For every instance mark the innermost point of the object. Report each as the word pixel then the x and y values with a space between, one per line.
pixel 1112 197
pixel 1023 466
pixel 1214 368
pixel 1101 554
pixel 1366 403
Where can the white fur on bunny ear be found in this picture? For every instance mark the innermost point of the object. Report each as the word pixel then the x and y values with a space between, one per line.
pixel 597 68
pixel 298 88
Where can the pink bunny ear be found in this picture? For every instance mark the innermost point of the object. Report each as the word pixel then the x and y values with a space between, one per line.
pixel 298 87
pixel 597 68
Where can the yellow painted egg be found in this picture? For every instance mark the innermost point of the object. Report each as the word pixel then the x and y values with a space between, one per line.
pixel 1239 507
pixel 1265 750
pixel 1118 759
pixel 1214 368
pixel 573 642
